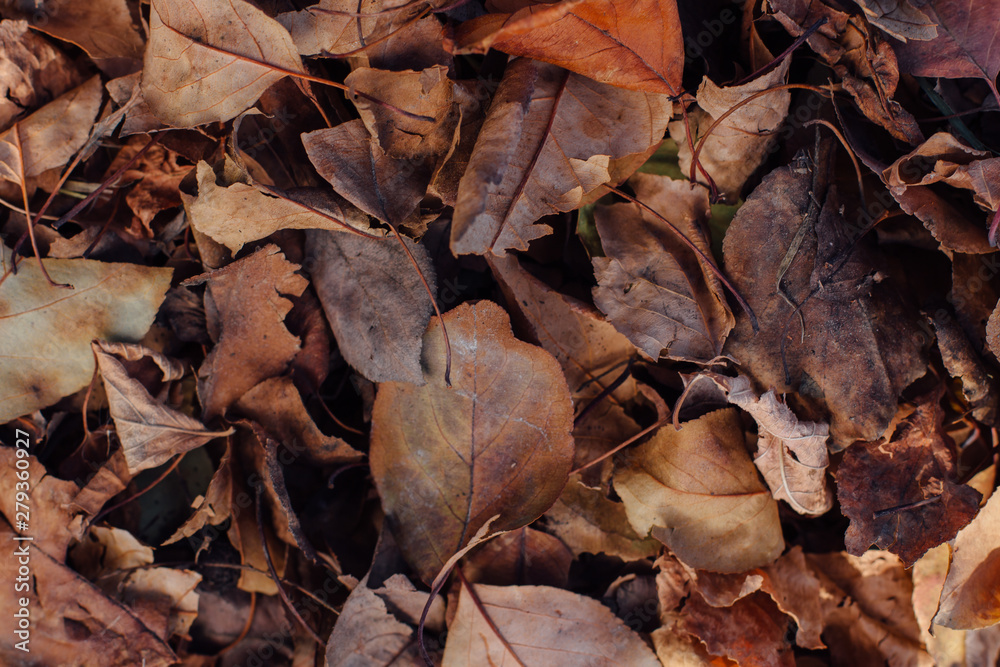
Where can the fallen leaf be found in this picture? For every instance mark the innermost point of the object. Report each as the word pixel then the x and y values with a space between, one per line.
pixel 738 145
pixel 752 631
pixel 104 29
pixel 150 432
pixel 447 459
pixel 900 18
pixel 697 491
pixel 157 176
pixel 215 506
pixel 548 140
pixel 673 307
pixel 969 599
pixel 791 454
pixel 50 136
pixel 964 46
pixel 945 645
pixel 634 44
pixel 374 300
pixel 208 61
pixel 245 300
pixel 916 466
pixel 860 345
pixel 964 364
pixel 45 331
pixel 541 625
pixel 522 557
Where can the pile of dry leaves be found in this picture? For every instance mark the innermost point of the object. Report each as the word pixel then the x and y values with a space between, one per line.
pixel 393 332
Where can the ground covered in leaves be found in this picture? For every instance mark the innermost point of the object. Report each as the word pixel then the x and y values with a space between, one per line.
pixel 405 332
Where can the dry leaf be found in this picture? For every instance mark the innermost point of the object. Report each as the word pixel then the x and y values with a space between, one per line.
pixel 208 61
pixel 548 140
pixel 697 491
pixel 751 632
pixel 215 506
pixel 634 44
pixel 102 28
pixel 45 331
pixel 246 302
pixel 496 442
pixel 673 307
pixel 915 470
pixel 738 145
pixel 791 454
pixel 522 557
pixel 150 432
pixel 969 599
pixel 50 136
pixel 543 626
pixel 966 366
pixel 375 301
pixel 900 18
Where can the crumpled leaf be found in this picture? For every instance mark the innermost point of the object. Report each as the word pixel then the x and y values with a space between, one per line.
pixel 215 506
pixel 237 214
pixel 544 626
pixel 102 28
pixel 965 365
pixel 968 599
pixel 52 135
pixel 45 331
pixel 791 454
pixel 496 443
pixel 737 146
pixel 900 18
pixel 375 301
pixel 653 287
pixel 247 307
pixel 753 631
pixel 964 47
pixel 150 432
pixel 916 466
pixel 861 345
pixel 697 491
pixel 209 60
pixel 550 138
pixel 634 44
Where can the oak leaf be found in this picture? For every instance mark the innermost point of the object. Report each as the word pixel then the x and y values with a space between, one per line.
pixel 495 444
pixel 697 491
pixel 541 625
pixel 45 331
pixel 207 61
pixel 672 306
pixel 548 140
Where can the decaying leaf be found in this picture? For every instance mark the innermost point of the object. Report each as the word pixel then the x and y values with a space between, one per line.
pixel 697 491
pixel 209 61
pixel 791 454
pixel 541 625
pixel 753 631
pixel 150 432
pixel 916 504
pixel 374 300
pixel 900 18
pixel 634 44
pixel 247 307
pixel 969 598
pixel 45 331
pixel 548 140
pixel 671 307
pixel 104 28
pixel 448 459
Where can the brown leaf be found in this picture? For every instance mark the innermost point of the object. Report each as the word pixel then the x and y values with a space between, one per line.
pixel 969 599
pixel 965 365
pixel 52 135
pixel 208 61
pixel 916 465
pixel 360 171
pixel 150 432
pixel 634 44
pixel 738 145
pixel 751 632
pixel 215 506
pixel 549 139
pixel 791 454
pixel 276 404
pixel 375 301
pixel 45 331
pixel 860 345
pixel 672 306
pixel 71 621
pixel 496 443
pixel 544 626
pixel 900 18
pixel 697 491
pixel 245 302
pixel 522 557
pixel 104 29
pixel 964 46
